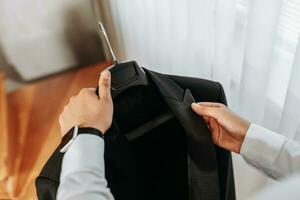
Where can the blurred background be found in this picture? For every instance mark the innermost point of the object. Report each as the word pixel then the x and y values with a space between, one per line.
pixel 50 49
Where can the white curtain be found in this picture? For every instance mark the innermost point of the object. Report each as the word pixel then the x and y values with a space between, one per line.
pixel 250 46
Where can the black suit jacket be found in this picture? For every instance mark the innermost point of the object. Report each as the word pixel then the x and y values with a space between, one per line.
pixel 176 160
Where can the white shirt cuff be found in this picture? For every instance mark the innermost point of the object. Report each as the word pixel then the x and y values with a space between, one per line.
pixel 86 152
pixel 261 148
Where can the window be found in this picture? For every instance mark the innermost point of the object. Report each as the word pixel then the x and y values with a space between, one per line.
pixel 284 51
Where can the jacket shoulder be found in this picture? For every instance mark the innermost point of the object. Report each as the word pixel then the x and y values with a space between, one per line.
pixel 202 89
pixel 46 188
pixel 48 180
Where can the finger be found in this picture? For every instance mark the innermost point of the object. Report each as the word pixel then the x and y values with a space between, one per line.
pixel 104 85
pixel 67 115
pixel 205 110
pixel 212 104
pixel 206 119
pixel 71 100
pixel 91 89
pixel 60 119
pixel 82 91
pixel 215 131
pixel 85 93
pixel 91 92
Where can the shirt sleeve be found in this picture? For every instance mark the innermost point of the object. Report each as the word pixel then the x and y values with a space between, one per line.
pixel 287 188
pixel 82 175
pixel 272 153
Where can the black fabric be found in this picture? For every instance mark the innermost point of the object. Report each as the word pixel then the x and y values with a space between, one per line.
pixel 202 162
pixel 175 160
pixel 89 130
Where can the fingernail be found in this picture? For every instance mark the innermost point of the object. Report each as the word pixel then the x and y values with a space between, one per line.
pixel 201 104
pixel 194 104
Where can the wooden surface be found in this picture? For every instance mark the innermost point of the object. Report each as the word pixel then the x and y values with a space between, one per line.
pixel 33 127
pixel 3 139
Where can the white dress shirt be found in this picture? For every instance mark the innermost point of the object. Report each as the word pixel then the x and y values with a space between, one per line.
pixel 273 154
pixel 82 174
pixel 276 156
pixel 83 177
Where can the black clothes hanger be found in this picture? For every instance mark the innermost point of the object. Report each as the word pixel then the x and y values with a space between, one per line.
pixel 123 75
pixel 126 75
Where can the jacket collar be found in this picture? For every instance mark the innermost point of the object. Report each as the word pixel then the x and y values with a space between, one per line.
pixel 179 102
pixel 202 162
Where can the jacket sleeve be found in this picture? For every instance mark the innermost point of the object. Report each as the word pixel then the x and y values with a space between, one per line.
pixel 82 175
pixel 272 153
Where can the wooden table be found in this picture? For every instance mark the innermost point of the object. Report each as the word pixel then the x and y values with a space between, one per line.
pixel 3 138
pixel 33 127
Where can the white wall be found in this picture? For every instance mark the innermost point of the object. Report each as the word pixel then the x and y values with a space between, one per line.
pixel 41 37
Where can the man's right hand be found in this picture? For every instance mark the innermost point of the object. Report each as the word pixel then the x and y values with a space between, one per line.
pixel 228 129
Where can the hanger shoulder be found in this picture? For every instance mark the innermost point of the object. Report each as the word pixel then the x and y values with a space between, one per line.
pixel 126 75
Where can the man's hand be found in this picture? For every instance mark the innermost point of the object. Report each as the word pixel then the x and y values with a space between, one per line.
pixel 228 129
pixel 87 109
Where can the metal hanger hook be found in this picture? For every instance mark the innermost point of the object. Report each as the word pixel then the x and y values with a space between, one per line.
pixel 103 32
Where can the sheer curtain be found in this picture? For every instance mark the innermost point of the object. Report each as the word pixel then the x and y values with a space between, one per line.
pixel 250 46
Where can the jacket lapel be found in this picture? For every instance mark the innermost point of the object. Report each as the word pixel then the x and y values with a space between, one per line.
pixel 202 162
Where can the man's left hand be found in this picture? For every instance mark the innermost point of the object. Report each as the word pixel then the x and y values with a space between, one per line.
pixel 87 109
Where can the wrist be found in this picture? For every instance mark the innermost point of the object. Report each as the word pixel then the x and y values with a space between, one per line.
pixel 243 131
pixel 72 134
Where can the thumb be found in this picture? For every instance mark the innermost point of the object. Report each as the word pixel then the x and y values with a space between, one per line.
pixel 204 110
pixel 104 85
